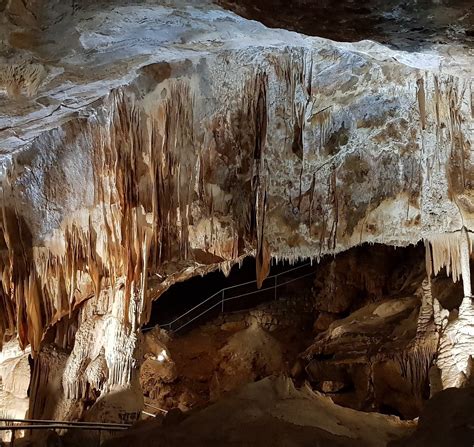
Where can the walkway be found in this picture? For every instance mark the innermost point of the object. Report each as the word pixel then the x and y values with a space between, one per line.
pixel 222 298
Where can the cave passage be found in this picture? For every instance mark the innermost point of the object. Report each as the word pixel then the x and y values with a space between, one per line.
pixel 184 296
pixel 384 268
pixel 357 327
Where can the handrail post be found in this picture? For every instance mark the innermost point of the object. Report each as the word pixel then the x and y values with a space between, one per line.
pixel 276 281
pixel 222 299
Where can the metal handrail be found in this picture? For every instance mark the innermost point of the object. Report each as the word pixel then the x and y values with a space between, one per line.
pixel 268 288
pixel 233 287
pixel 269 277
pixel 58 427
pixel 204 312
pixel 157 408
pixel 223 299
pixel 194 308
pixel 239 296
pixel 39 424
pixel 71 423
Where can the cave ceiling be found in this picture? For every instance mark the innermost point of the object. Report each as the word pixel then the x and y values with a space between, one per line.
pixel 400 24
pixel 144 138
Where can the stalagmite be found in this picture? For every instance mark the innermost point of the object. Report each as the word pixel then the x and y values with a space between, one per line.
pixel 452 251
pixel 456 343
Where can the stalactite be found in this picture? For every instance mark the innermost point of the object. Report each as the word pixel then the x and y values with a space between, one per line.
pixel 259 180
pixel 420 94
pixel 141 159
pixel 416 360
pixel 150 174
pixel 450 98
pixel 39 285
pixel 27 76
pixel 455 344
pixel 446 251
pixel 452 251
pixel 428 261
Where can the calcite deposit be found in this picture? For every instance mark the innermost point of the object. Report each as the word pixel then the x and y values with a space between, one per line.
pixel 143 143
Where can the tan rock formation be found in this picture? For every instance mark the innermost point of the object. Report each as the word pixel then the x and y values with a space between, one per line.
pixel 14 383
pixel 273 412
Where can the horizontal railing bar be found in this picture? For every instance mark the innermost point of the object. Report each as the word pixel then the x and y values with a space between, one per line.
pixel 294 279
pixel 242 295
pixel 156 408
pixel 254 292
pixel 195 307
pixel 49 421
pixel 268 288
pixel 58 427
pixel 244 284
pixel 268 277
pixel 149 414
pixel 293 269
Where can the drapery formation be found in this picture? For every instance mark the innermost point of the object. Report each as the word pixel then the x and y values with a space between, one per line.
pixel 293 153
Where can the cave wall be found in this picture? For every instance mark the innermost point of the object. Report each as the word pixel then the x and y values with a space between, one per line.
pixel 169 175
pixel 202 148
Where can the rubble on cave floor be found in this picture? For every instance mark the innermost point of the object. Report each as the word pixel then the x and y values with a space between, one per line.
pixel 274 412
pixel 210 361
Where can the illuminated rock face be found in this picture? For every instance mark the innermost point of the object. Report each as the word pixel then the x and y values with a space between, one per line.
pixel 14 379
pixel 177 139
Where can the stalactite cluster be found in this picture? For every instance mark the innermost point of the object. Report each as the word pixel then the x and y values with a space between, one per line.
pixel 193 164
pixel 146 178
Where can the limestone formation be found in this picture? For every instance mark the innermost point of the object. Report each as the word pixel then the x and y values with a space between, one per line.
pixel 14 383
pixel 142 144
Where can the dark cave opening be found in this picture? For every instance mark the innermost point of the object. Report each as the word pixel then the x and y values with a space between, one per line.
pixel 363 273
pixel 215 293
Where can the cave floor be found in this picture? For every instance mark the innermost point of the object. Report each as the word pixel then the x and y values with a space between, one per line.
pixel 270 412
pixel 198 361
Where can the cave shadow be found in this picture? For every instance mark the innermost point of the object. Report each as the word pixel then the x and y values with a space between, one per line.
pixel 408 26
